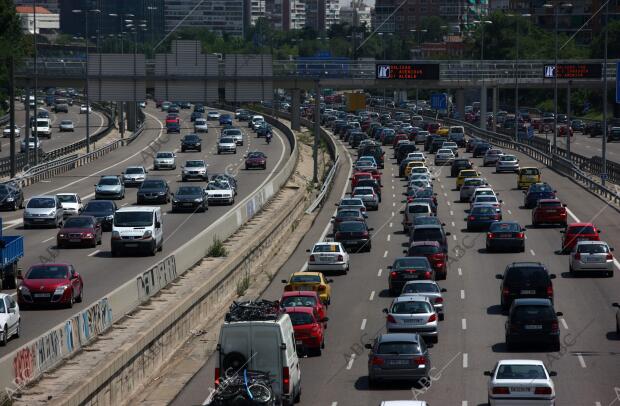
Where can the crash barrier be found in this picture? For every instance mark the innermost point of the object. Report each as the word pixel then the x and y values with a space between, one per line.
pixel 29 362
pixel 4 119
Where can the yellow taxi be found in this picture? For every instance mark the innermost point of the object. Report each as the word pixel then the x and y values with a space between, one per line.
pixel 466 173
pixel 411 165
pixel 526 176
pixel 310 281
pixel 443 131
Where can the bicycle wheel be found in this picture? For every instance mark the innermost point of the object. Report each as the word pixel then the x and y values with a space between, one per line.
pixel 259 392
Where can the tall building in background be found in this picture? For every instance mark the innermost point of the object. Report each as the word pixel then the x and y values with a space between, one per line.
pixel 356 14
pixel 47 22
pixel 222 16
pixel 322 14
pixel 286 14
pixel 257 10
pixel 52 5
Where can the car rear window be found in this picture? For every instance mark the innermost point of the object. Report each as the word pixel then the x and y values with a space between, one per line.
pixel 411 307
pixel 300 318
pixel 468 173
pixel 352 226
pixel 427 234
pixel 485 199
pixel 549 204
pixel 521 372
pixel 420 288
pixel 529 171
pixel 532 312
pixel 505 227
pixel 418 208
pixel 350 202
pixel 581 230
pixel 523 273
pixel 306 278
pixel 410 262
pixel 397 347
pixel 349 213
pixel 299 301
pixel 327 248
pixel 483 210
pixel 47 272
pixel 592 248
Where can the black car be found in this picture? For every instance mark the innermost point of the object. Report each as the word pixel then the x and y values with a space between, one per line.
pixel 536 192
pixel 533 321
pixel 191 142
pixel 185 105
pixel 406 269
pixel 11 196
pixel 373 183
pixel 102 210
pixel 480 149
pixel 458 165
pixel 505 235
pixel 173 127
pixel 244 116
pixel 593 129
pixel 173 108
pixel 613 134
pixel 403 149
pixel 357 137
pixel 192 198
pixel 375 151
pixel 195 115
pixel 347 214
pixel 525 280
pixel 199 108
pixel 430 232
pixel 436 145
pixel 429 141
pixel 153 190
pixel 354 236
pixel 578 125
pixel 263 129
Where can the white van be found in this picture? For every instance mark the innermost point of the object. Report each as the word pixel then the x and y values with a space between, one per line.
pixel 137 228
pixel 266 345
pixel 43 128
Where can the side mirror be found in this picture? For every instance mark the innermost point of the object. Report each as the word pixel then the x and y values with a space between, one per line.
pixel 390 267
pixel 402 211
pixel 12 309
pixel 448 233
pixel 564 205
pixel 524 192
pixel 559 314
pixel 599 230
pixel 487 373
pixel 444 290
pixel 371 229
pixel 465 219
pixel 284 281
pixel 368 346
pixel 329 281
pixel 553 373
pixel 499 276
pixel 552 276
pixel 615 304
pixel 157 224
pixel 501 201
pixel 611 249
pixel 385 310
pixel 562 231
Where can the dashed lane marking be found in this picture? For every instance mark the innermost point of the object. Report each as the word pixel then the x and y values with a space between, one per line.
pixel 533 253
pixel 460 272
pixel 463 294
pixel 465 360
pixel 363 326
pixel 372 295
pixel 464 324
pixel 563 321
pixel 582 361
pixel 379 273
pixel 350 363
pixel 389 236
pixel 92 254
pixel 385 254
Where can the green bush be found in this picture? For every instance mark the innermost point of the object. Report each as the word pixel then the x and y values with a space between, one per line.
pixel 217 249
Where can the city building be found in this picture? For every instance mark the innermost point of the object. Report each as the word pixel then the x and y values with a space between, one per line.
pixel 257 9
pixel 46 21
pixel 322 14
pixel 357 14
pixel 222 16
pixel 286 14
pixel 52 5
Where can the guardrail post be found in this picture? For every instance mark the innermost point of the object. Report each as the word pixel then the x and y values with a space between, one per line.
pixel 483 107
pixel 317 130
pixel 295 113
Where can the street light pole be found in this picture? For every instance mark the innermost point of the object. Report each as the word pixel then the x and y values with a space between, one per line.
pixel 604 146
pixel 36 76
pixel 517 85
pixel 555 86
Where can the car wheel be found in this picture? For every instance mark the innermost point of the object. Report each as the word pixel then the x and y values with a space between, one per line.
pixel 18 330
pixel 610 274
pixel 80 298
pixel 4 338
pixel 372 382
pixel 153 250
pixel 246 167
pixel 435 339
pixel 94 243
pixel 113 252
pixel 509 344
pixel 71 301
pixel 555 347
pixel 183 179
pixel 441 317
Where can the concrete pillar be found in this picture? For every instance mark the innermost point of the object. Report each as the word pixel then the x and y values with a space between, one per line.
pixel 131 116
pixel 295 113
pixel 495 97
pixel 483 107
pixel 460 103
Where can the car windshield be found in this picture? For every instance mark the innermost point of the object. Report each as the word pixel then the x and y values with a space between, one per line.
pixel 67 198
pixel 541 188
pixel 421 288
pixel 530 171
pixel 520 371
pixel 97 207
pixel 305 278
pixel 592 248
pixel 217 185
pixel 298 301
pixel 419 208
pixel 109 181
pixel 78 222
pixel 226 140
pixel 581 230
pixel 549 204
pixel 165 155
pixel 508 158
pixel 427 234
pixel 191 138
pixel 256 155
pixel 532 312
pixel 134 171
pixel 194 164
pixel 505 227
pixel 411 307
pixel 133 219
pixel 524 273
pixel 66 122
pixel 47 272
pixel 41 203
pixel 352 226
pixel 326 248
pixel 410 262
pixel 189 190
pixel 396 348
pixel 484 210
pixel 152 184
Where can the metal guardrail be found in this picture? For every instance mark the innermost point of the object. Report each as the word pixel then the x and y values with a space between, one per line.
pixel 325 188
pixel 4 119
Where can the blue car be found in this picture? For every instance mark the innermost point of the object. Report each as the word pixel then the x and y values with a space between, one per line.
pixel 226 119
pixel 481 217
pixel 536 192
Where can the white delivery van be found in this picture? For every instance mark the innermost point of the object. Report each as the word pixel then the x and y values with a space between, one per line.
pixel 266 344
pixel 43 128
pixel 137 228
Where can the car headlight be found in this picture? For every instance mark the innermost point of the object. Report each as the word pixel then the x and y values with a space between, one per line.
pixel 174 200
pixel 24 290
pixel 61 235
pixel 198 200
pixel 147 234
pixel 9 199
pixel 60 290
pixel 110 217
pixel 161 193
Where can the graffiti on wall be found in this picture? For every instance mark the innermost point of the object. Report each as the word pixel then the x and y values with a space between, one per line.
pixel 156 278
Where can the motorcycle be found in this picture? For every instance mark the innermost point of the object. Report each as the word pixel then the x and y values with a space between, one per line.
pixel 268 137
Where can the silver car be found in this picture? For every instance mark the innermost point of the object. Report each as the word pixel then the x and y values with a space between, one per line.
pixel 7 131
pixel 235 133
pixel 413 314
pixel 110 187
pixel 444 156
pixel 469 186
pixel 201 125
pixel 491 156
pixel 134 175
pixel 398 356
pixel 593 256
pixel 31 144
pixel 194 169
pixel 368 196
pixel 165 160
pixel 66 125
pixel 429 289
pixel 44 210
pixel 352 203
pixel 507 163
pixel 226 144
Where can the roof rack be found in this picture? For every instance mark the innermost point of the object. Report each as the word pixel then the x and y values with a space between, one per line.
pixel 258 310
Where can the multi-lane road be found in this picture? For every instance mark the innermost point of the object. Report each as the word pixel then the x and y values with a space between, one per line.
pixel 471 338
pixel 59 139
pixel 101 272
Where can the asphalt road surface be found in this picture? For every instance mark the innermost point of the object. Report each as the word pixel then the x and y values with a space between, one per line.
pixel 471 338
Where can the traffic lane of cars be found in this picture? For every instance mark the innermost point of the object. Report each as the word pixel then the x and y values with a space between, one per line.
pixel 587 146
pixel 96 266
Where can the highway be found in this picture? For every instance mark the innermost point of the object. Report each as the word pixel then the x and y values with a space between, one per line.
pixel 101 272
pixel 471 339
pixel 59 139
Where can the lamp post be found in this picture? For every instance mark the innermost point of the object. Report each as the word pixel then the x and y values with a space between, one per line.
pixel 86 95
pixel 122 18
pixel 483 90
pixel 516 73
pixel 604 146
pixel 36 84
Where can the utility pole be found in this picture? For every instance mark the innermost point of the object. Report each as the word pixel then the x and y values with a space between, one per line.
pixel 36 75
pixel 568 126
pixel 604 146
pixel 27 128
pixel 12 113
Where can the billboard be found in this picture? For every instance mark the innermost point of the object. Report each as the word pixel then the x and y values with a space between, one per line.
pixel 573 71
pixel 409 71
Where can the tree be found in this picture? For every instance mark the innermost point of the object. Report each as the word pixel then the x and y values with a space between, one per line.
pixel 433 26
pixel 597 49
pixel 12 43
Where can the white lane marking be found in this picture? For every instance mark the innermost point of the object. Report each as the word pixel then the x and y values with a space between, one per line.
pixel 391 225
pixel 124 204
pixel 464 324
pixel 442 186
pixel 385 254
pixel 392 214
pixel 582 361
pixel 392 187
pixel 445 194
pixel 372 295
pixel 379 273
pixel 452 223
pixel 454 237
pixel 563 321
pixel 165 213
pixel 465 361
pixel 448 203
pixel 509 212
pixel 463 294
pixel 576 220
pixel 389 236
pixel 393 204
pixel 460 272
pixel 363 326
pixel 334 403
pixel 533 253
pixel 597 404
pixel 49 239
pixel 451 213
pixel 464 403
pixel 393 195
pixel 92 254
pixel 350 363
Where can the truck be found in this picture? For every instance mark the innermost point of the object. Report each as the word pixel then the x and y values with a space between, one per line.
pixel 355 102
pixel 11 251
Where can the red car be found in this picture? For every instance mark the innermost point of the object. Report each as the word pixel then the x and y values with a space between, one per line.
pixel 399 137
pixel 173 119
pixel 256 159
pixel 563 129
pixel 79 230
pixel 578 232
pixel 50 284
pixel 304 298
pixel 435 255
pixel 308 327
pixel 359 176
pixel 376 175
pixel 549 211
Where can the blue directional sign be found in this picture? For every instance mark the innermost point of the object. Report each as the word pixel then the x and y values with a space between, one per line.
pixel 617 83
pixel 439 101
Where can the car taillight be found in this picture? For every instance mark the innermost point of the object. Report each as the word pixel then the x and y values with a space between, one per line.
pixel 578 256
pixel 555 327
pixel 391 319
pixel 377 361
pixel 311 258
pixel 550 291
pixel 490 236
pixel 497 217
pixel 471 218
pixel 505 292
pixel 419 360
pixel 501 390
pixel 437 257
pixel 609 256
pixel 286 380
pixel 432 318
pixel 338 235
pixel 427 275
pixel 438 300
pixel 217 377
pixel 542 390
pixel 520 235
pixel 393 274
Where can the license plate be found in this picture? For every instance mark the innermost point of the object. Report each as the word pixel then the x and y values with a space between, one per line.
pixel 325 258
pixel 39 220
pixel 305 288
pixel 550 211
pixel 188 204
pixel 75 240
pixel 410 276
pixel 399 362
pixel 508 235
pixel 593 259
pixel 131 245
pixel 41 295
pixel 484 218
pixel 533 327
pixel 519 389
pixel 412 321
pixel 528 292
pixel 299 342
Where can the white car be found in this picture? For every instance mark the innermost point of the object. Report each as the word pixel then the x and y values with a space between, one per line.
pixel 194 169
pixel 417 156
pixel 419 169
pixel 31 144
pixel 444 156
pixel 85 109
pixel 592 256
pixel 403 403
pixel 489 200
pixel 213 115
pixel 421 136
pixel 71 203
pixel 10 318
pixel 220 192
pixel 520 382
pixel 165 160
pixel 201 125
pixel 256 121
pixel 328 256
pixel 226 144
pixel 66 125
pixel 7 131
pixel 43 128
pixel 134 175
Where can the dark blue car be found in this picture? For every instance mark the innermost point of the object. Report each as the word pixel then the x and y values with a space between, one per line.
pixel 535 192
pixel 226 119
pixel 481 217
